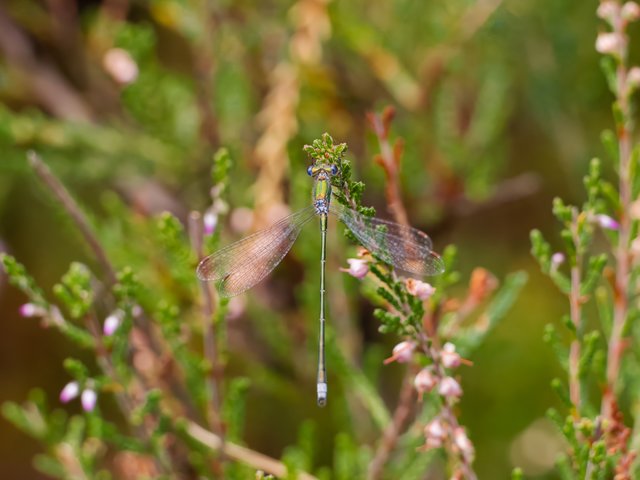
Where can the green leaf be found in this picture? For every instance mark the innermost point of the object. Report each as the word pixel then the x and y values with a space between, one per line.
pixel 593 274
pixel 18 277
pixel 608 66
pixel 553 339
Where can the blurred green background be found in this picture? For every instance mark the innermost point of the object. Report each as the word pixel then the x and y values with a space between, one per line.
pixel 499 103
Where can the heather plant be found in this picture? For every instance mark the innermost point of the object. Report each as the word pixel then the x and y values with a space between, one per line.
pixel 161 131
pixel 597 270
pixel 164 363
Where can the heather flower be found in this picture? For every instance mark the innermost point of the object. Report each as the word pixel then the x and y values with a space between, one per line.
pixel 69 392
pixel 449 388
pixel 358 267
pixel 29 310
pixel 449 357
pixel 606 222
pixel 88 399
pixel 419 289
pixel 120 66
pixel 434 433
pixel 557 259
pixel 630 11
pixel 633 78
pixel 608 10
pixel 425 381
pixel 609 43
pixel 112 322
pixel 402 352
pixel 210 222
pixel 463 443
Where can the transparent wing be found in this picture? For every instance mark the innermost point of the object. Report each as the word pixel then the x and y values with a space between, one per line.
pixel 241 265
pixel 403 247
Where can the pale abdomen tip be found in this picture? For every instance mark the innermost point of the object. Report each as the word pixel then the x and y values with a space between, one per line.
pixel 322 394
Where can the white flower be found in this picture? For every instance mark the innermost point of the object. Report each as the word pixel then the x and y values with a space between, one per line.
pixel 88 399
pixel 69 392
pixel 120 66
pixel 112 322
pixel 419 289
pixel 210 222
pixel 609 43
pixel 434 433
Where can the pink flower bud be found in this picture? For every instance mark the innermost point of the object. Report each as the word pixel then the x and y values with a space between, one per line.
pixel 449 357
pixel 449 388
pixel 463 443
pixel 435 429
pixel 120 66
pixel 112 322
pixel 633 79
pixel 557 259
pixel 606 222
pixel 608 10
pixel 424 381
pixel 88 399
pixel 419 289
pixel 210 222
pixel 69 392
pixel 609 43
pixel 358 268
pixel 29 310
pixel 402 352
pixel 630 11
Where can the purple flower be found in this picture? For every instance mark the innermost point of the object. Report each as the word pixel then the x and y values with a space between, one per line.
pixel 88 399
pixel 210 222
pixel 69 392
pixel 112 322
pixel 606 222
pixel 29 310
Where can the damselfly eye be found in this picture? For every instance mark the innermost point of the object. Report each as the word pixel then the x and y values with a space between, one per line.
pixel 334 169
pixel 310 170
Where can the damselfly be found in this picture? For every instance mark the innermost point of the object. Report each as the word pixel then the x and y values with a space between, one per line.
pixel 243 264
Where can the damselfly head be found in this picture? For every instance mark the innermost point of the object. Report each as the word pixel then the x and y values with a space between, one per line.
pixel 326 170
